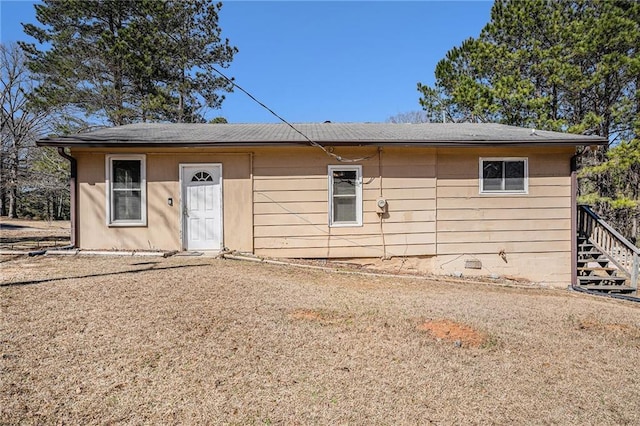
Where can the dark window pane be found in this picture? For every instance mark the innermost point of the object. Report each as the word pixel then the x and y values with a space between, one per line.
pixel 202 177
pixel 492 175
pixel 127 205
pixel 344 182
pixel 126 174
pixel 514 175
pixel 344 209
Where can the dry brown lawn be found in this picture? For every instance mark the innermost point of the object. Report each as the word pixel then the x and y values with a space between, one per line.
pixel 19 234
pixel 194 340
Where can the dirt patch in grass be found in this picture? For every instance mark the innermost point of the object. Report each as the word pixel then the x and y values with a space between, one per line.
pixel 591 324
pixel 194 340
pixel 452 331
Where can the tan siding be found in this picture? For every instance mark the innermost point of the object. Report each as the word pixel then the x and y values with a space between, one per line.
pixel 300 193
pixel 409 171
pixel 507 247
pixel 514 213
pixel 483 237
pixel 291 203
pixel 351 240
pixel 416 193
pixel 275 195
pixel 503 225
pixel 414 218
pixel 405 183
pixel 554 271
pixel 402 216
pixel 263 171
pixel 311 183
pixel 408 156
pixel 163 230
pixel 276 204
pixel 263 205
pixel 553 165
pixel 323 230
pixel 505 228
pixel 536 190
pixel 472 182
pixel 503 202
pixel 347 252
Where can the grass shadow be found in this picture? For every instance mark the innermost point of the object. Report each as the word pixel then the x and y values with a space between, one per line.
pixel 5 259
pixel 12 226
pixel 134 271
pixel 13 240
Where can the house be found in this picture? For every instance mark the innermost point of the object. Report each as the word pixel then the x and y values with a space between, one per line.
pixel 476 198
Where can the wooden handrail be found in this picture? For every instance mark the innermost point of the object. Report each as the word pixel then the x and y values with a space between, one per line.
pixel 617 248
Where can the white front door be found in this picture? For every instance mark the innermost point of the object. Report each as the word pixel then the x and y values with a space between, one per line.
pixel 201 206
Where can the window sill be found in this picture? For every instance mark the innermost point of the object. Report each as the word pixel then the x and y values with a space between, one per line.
pixel 345 225
pixel 504 192
pixel 127 224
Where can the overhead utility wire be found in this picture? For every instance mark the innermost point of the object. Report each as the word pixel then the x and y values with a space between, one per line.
pixel 312 142
pixel 253 98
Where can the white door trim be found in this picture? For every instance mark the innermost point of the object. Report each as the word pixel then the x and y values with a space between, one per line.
pixel 183 234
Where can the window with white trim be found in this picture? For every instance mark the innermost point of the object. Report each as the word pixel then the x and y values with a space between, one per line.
pixel 126 190
pixel 504 175
pixel 345 195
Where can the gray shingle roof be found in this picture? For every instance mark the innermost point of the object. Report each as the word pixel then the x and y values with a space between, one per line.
pixel 427 134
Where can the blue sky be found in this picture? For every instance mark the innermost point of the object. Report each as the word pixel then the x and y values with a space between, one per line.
pixel 313 61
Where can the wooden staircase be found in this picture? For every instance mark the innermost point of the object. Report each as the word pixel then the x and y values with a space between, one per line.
pixel 606 261
pixel 595 271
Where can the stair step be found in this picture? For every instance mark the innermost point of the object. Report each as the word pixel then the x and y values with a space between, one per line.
pixel 599 268
pixel 589 269
pixel 589 252
pixel 608 288
pixel 602 261
pixel 585 263
pixel 594 257
pixel 594 279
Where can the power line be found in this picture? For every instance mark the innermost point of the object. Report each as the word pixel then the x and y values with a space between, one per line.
pixel 312 142
pixel 272 112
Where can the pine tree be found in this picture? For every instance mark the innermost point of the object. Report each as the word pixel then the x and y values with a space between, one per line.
pixel 556 65
pixel 127 61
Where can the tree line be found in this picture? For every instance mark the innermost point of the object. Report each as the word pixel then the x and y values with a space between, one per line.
pixel 569 66
pixel 33 182
pixel 101 63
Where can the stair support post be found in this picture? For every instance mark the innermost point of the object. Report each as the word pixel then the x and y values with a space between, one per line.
pixel 575 216
pixel 635 271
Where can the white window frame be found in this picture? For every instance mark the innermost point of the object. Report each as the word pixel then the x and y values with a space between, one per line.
pixel 109 189
pixel 358 170
pixel 525 190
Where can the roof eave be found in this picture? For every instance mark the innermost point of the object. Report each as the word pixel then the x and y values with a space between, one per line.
pixel 143 144
pixel 55 142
